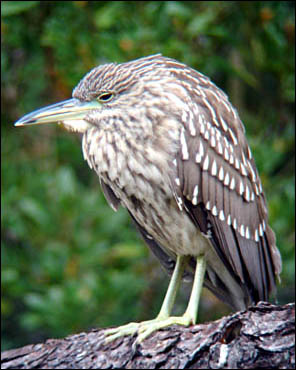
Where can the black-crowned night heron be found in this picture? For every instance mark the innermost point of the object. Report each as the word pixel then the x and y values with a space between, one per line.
pixel 167 145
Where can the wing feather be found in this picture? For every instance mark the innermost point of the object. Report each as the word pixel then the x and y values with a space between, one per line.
pixel 230 208
pixel 111 198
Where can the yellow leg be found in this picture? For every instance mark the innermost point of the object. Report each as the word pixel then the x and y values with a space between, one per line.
pixel 164 319
pixel 166 308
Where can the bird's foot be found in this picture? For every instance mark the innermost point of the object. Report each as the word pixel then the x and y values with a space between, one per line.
pixel 145 328
pixel 156 324
pixel 121 331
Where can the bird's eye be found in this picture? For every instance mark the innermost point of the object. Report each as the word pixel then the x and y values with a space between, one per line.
pixel 105 97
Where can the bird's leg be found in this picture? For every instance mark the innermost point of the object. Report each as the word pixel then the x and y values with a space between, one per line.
pixel 170 296
pixel 190 315
pixel 163 319
pixel 165 310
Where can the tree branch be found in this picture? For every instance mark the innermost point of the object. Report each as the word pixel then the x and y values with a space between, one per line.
pixel 261 337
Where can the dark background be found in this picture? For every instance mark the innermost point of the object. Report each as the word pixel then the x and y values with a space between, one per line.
pixel 69 262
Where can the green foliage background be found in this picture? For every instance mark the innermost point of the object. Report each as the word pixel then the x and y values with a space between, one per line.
pixel 69 262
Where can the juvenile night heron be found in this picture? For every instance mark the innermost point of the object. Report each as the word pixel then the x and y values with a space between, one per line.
pixel 168 146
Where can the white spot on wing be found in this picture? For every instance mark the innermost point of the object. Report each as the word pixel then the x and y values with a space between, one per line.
pixel 198 158
pixel 256 189
pixel 221 174
pixel 179 202
pixel 233 137
pixel 241 188
pixel 231 159
pixel 249 153
pixel 214 168
pixel 206 163
pixel 244 159
pixel 232 184
pixel 220 148
pixel 256 235
pixel 226 154
pixel 221 215
pixel 213 114
pixel 184 148
pixel 243 170
pixel 213 141
pixel 194 201
pixel 260 230
pixel 252 171
pixel 224 124
pixel 195 193
pixel 234 224
pixel 227 179
pixel 247 233
pixel 200 154
pixel 242 230
pixel 214 211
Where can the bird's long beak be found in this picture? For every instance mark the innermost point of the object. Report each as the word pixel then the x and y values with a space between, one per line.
pixel 69 112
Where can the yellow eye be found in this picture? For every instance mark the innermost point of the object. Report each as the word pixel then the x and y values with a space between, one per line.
pixel 105 97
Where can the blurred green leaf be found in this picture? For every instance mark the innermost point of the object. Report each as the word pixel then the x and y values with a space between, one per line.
pixel 178 9
pixel 201 22
pixel 15 7
pixel 31 208
pixel 107 16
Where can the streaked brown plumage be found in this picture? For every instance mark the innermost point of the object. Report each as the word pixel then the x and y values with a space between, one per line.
pixel 168 145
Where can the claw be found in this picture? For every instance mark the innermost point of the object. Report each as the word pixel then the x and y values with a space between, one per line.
pixel 145 328
pixel 121 331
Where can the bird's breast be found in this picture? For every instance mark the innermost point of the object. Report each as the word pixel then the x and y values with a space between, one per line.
pixel 139 176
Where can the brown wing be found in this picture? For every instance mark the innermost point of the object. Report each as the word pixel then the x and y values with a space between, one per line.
pixel 111 198
pixel 218 185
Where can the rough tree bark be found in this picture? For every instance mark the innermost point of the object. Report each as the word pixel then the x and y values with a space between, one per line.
pixel 261 337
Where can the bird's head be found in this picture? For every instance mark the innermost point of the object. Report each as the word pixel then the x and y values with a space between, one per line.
pixel 110 91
